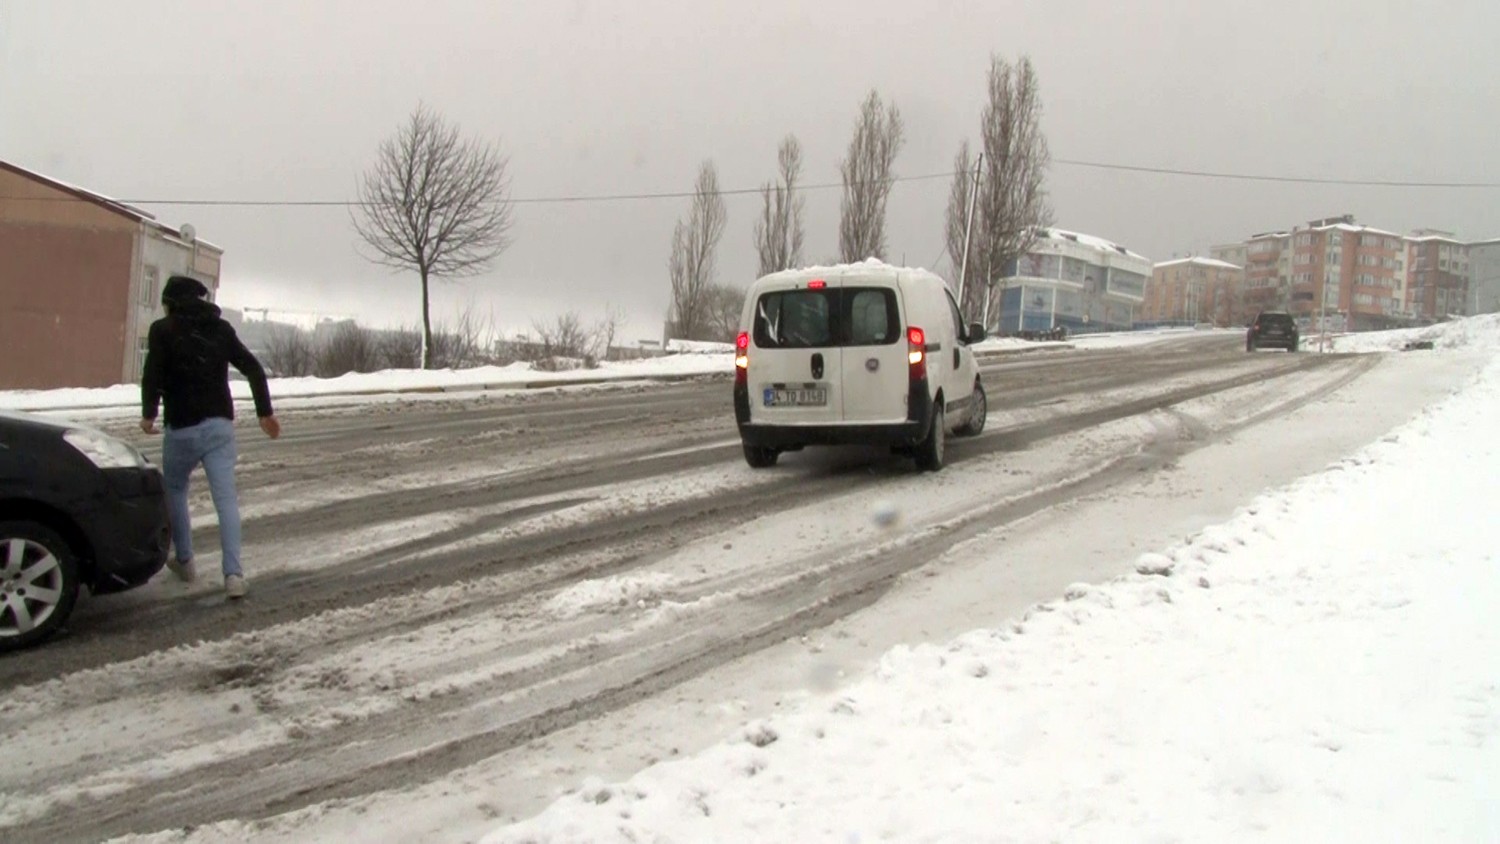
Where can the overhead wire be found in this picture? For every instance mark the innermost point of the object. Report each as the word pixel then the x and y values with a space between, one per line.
pixel 659 195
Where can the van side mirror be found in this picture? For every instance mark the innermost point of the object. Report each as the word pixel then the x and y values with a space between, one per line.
pixel 976 333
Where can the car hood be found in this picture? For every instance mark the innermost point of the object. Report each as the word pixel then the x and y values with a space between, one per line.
pixel 21 418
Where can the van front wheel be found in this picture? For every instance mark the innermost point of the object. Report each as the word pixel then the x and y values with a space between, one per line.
pixel 760 457
pixel 930 450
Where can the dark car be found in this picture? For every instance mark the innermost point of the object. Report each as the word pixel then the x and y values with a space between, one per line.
pixel 1272 330
pixel 78 508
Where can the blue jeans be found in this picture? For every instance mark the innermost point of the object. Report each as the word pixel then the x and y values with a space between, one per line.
pixel 211 443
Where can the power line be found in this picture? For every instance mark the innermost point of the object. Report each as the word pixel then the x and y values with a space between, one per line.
pixel 1251 177
pixel 648 196
pixel 534 200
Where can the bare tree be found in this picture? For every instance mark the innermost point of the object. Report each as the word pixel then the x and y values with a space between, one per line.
pixel 436 203
pixel 691 265
pixel 1012 204
pixel 958 213
pixel 565 337
pixel 778 232
pixel 606 330
pixel 351 348
pixel 724 305
pixel 465 343
pixel 867 175
pixel 289 352
pixel 401 349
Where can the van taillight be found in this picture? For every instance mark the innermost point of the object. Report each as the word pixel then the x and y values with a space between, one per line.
pixel 916 352
pixel 741 359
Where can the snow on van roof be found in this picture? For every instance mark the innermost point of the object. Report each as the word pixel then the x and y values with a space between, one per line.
pixel 869 264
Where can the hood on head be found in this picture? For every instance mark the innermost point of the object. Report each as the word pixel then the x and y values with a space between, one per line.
pixel 187 297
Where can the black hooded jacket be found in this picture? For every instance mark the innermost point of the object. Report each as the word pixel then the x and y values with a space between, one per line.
pixel 187 366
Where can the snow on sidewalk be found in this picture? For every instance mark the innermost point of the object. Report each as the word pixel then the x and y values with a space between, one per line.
pixel 1322 667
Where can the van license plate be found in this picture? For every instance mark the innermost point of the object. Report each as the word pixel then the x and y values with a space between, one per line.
pixel 797 398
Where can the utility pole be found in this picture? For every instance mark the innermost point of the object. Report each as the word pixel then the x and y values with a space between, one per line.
pixel 1323 314
pixel 963 273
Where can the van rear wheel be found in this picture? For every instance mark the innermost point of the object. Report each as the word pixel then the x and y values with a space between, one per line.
pixel 930 450
pixel 979 410
pixel 760 457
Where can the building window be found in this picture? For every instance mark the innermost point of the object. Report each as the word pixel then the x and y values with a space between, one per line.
pixel 150 282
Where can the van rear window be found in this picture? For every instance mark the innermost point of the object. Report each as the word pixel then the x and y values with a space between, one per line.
pixel 807 319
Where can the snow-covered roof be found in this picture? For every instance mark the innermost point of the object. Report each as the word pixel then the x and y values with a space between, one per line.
pixel 123 208
pixel 83 193
pixel 1434 237
pixel 1202 262
pixel 1351 227
pixel 1053 233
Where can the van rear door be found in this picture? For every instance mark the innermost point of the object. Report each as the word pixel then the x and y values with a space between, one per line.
pixel 795 362
pixel 875 376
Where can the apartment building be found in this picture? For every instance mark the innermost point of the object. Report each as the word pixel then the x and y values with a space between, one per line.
pixel 1195 290
pixel 1484 276
pixel 1334 269
pixel 1439 273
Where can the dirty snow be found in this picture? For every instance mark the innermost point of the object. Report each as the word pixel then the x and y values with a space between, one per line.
pixel 1320 667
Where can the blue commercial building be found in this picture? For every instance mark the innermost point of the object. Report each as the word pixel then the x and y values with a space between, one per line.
pixel 1079 282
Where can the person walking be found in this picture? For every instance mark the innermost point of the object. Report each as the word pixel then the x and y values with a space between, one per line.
pixel 188 355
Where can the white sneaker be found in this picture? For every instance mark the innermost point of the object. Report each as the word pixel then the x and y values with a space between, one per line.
pixel 234 586
pixel 185 571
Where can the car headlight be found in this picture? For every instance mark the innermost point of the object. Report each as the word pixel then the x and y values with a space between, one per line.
pixel 105 451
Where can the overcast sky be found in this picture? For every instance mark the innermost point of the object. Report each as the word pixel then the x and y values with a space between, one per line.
pixel 154 100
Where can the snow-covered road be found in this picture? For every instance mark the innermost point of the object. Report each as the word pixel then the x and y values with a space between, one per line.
pixel 459 628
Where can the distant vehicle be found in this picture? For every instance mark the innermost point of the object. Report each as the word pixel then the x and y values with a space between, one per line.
pixel 78 508
pixel 1272 330
pixel 857 354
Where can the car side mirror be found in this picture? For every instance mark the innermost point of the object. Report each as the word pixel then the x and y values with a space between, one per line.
pixel 976 333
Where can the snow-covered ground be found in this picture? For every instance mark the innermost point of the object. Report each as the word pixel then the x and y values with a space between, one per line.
pixel 1458 334
pixel 1320 667
pixel 376 384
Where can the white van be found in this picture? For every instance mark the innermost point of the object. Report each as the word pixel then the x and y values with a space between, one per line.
pixel 861 353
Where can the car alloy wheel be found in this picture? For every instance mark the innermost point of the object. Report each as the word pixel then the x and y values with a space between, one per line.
pixel 38 583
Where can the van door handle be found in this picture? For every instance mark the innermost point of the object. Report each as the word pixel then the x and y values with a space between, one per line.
pixel 817 365
pixel 955 359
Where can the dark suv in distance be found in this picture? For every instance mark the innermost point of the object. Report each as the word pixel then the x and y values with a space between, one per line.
pixel 1272 330
pixel 78 508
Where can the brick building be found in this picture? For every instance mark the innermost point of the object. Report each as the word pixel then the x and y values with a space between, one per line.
pixel 1353 274
pixel 1439 273
pixel 1194 290
pixel 80 282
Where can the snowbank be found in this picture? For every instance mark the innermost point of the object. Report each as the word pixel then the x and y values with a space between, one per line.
pixel 514 376
pixel 1477 332
pixel 1319 668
